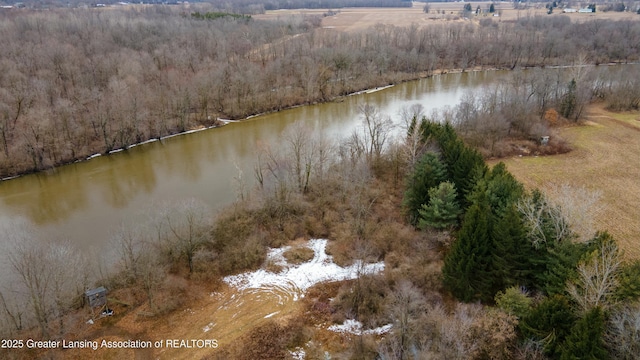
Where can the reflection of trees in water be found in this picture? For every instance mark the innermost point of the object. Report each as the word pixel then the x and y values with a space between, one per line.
pixel 199 164
pixel 126 176
pixel 46 198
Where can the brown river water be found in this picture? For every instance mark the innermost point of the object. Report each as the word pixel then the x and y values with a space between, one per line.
pixel 83 203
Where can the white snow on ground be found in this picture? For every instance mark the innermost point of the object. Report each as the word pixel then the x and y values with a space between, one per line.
pixel 298 354
pixel 355 327
pixel 270 315
pixel 296 279
pixel 208 327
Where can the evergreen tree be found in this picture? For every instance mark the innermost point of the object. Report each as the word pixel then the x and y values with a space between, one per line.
pixel 551 322
pixel 512 252
pixel 629 279
pixel 465 269
pixel 558 262
pixel 428 173
pixel 443 210
pixel 467 7
pixel 464 165
pixel 465 171
pixel 501 188
pixel 492 8
pixel 585 342
pixel 514 301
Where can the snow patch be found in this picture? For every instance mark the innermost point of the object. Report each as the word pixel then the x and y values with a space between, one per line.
pixel 270 315
pixel 298 353
pixel 208 327
pixel 355 327
pixel 296 279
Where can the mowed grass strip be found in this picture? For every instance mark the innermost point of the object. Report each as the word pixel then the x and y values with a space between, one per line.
pixel 605 158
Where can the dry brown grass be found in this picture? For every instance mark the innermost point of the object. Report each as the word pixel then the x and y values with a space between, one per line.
pixel 605 158
pixel 355 19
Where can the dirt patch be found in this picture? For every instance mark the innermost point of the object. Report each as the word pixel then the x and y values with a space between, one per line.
pixel 605 158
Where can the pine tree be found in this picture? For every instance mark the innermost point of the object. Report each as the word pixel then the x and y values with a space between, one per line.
pixel 464 165
pixel 501 188
pixel 585 342
pixel 443 210
pixel 428 173
pixel 551 322
pixel 557 263
pixel 512 252
pixel 465 267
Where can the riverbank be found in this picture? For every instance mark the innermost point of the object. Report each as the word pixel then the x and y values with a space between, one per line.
pixel 219 122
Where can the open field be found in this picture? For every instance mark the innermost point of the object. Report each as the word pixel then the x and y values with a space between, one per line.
pixel 604 158
pixel 354 19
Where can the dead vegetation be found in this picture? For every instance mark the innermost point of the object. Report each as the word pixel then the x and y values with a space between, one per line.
pixel 600 163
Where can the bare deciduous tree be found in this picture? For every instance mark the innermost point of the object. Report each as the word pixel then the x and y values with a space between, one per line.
pixel 189 225
pixel 29 262
pixel 69 278
pixel 412 145
pixel 578 205
pixel 129 244
pixel 597 276
pixel 536 214
pixel 376 131
pixel 407 305
pixel 152 273
pixel 623 332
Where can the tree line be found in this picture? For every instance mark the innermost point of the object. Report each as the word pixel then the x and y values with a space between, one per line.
pixel 79 82
pixel 528 280
pixel 522 252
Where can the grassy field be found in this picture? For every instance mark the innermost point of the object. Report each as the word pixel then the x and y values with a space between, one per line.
pixel 606 158
pixel 355 19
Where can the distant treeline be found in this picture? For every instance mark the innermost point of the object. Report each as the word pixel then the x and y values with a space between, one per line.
pixel 331 4
pixel 239 6
pixel 218 15
pixel 78 82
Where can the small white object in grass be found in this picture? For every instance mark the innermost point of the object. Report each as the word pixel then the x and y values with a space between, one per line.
pixel 270 315
pixel 298 353
pixel 208 327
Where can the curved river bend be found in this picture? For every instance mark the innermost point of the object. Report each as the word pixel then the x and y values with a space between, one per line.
pixel 84 202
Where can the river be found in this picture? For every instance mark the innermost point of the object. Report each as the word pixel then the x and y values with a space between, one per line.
pixel 83 203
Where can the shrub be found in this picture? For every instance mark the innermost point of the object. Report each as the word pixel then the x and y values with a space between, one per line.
pixel 514 301
pixel 298 255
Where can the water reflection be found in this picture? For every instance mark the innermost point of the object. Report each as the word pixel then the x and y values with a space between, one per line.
pixel 84 202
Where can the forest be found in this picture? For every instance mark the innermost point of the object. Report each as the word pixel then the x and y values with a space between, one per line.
pixel 79 82
pixel 476 266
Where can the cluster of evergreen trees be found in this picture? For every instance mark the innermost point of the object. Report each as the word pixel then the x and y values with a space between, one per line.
pixel 502 256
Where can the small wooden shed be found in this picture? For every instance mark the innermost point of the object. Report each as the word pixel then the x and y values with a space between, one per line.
pixel 96 297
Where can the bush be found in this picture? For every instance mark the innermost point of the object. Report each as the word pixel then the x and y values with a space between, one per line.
pixel 362 299
pixel 269 341
pixel 298 255
pixel 514 301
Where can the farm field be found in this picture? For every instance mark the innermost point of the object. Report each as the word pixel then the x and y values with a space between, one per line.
pixel 355 19
pixel 604 158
